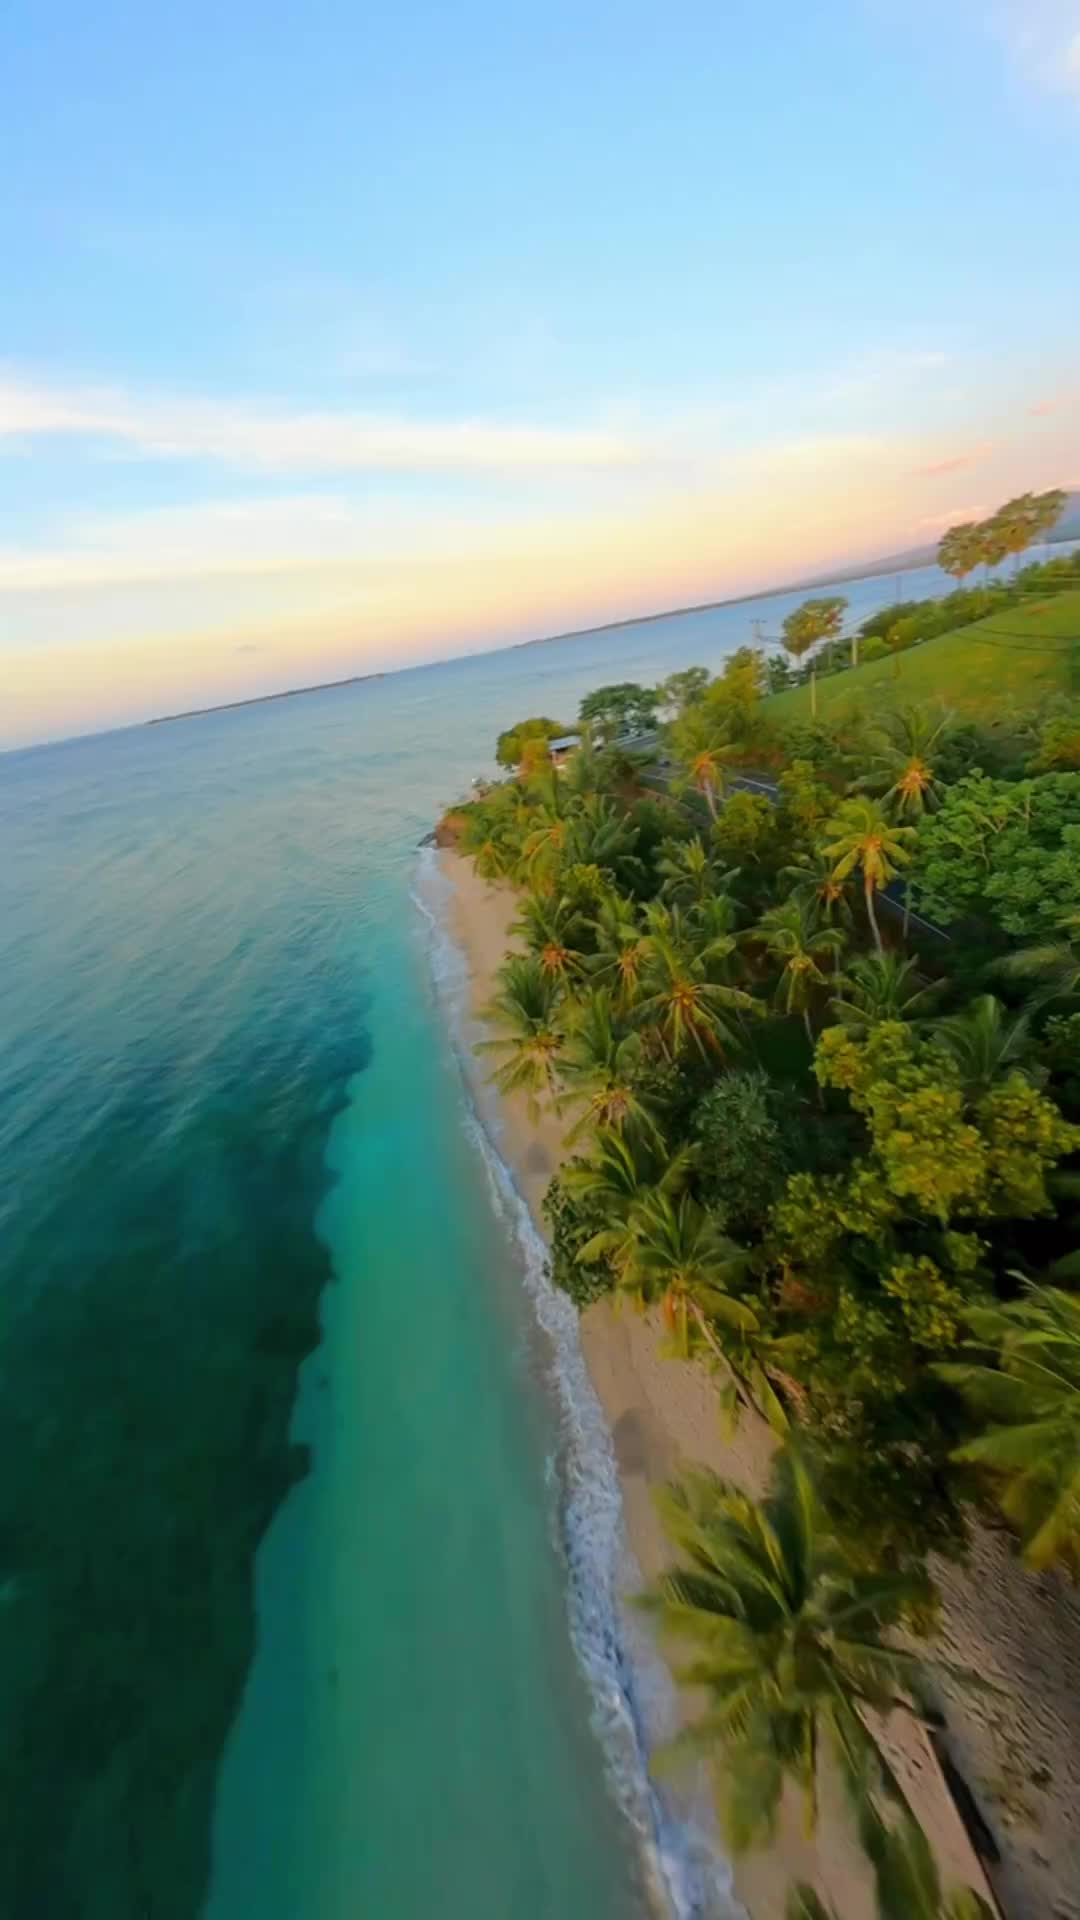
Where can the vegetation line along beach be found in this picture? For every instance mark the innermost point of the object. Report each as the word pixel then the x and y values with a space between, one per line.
pixel 781 995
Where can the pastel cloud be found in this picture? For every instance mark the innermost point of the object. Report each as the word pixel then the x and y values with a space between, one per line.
pixel 954 463
pixel 146 612
pixel 953 516
pixel 1043 37
pixel 208 539
pixel 291 440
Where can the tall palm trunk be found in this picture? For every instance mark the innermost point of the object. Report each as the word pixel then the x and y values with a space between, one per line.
pixel 872 916
pixel 710 798
pixel 813 691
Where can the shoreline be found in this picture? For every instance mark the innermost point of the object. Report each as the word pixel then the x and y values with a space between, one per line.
pixel 662 1414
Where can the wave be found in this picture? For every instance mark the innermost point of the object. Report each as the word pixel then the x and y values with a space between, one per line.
pixel 631 1690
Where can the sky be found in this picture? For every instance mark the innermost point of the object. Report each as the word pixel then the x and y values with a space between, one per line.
pixel 336 338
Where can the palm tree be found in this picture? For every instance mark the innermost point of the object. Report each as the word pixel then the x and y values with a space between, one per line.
pixel 491 838
pixel 908 1883
pixel 492 856
pixel 882 986
pixel 621 949
pixel 815 620
pixel 681 1002
pixel 787 1635
pixel 544 846
pixel 863 838
pixel 987 1043
pixel 1049 508
pixel 676 1253
pixel 706 753
pixel 805 1903
pixel 598 1064
pixel 960 550
pixel 905 750
pixel 813 883
pixel 1055 962
pixel 525 1006
pixel 992 547
pixel 1031 1400
pixel 549 928
pixel 583 772
pixel 598 835
pixel 689 874
pixel 1017 524
pixel 906 1873
pixel 620 1171
pixel 683 1261
pixel 790 937
pixel 708 928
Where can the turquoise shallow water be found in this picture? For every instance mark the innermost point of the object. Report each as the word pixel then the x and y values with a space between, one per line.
pixel 235 1143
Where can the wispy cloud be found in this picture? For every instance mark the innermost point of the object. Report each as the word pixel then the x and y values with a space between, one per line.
pixel 212 540
pixel 952 516
pixel 291 440
pixel 1043 37
pixel 954 463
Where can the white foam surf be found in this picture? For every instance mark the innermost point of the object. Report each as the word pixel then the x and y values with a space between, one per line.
pixel 632 1695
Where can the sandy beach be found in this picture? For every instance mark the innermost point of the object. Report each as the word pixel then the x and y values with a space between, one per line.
pixel 663 1414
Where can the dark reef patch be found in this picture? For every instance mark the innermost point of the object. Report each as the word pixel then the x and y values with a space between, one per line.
pixel 160 1285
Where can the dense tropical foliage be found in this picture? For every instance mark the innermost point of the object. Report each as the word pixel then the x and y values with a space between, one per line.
pixel 837 1147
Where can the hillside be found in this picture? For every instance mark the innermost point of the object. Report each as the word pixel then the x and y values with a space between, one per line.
pixel 1019 654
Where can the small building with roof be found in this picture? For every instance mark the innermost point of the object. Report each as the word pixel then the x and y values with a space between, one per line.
pixel 562 748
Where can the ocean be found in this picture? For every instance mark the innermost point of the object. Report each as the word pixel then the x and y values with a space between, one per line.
pixel 309 1532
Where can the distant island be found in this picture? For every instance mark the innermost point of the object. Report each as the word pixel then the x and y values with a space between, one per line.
pixel 260 699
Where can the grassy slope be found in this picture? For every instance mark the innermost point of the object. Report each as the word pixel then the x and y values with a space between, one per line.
pixel 1016 657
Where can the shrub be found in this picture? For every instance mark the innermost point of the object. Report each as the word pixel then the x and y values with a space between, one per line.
pixel 743 1160
pixel 573 1221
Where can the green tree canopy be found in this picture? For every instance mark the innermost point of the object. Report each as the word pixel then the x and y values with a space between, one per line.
pixel 623 707
pixel 738 689
pixel 960 550
pixel 941 1152
pixel 742 1155
pixel 683 689
pixel 817 619
pixel 1049 507
pixel 510 745
pixel 1007 849
pixel 1021 522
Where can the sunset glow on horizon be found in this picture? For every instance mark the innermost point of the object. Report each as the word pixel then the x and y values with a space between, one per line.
pixel 457 370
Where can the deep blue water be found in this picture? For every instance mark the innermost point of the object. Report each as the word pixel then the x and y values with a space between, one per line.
pixel 231 1123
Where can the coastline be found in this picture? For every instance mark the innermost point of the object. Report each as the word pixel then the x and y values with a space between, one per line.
pixel 662 1414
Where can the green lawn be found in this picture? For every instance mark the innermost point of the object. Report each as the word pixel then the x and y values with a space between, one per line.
pixel 1015 657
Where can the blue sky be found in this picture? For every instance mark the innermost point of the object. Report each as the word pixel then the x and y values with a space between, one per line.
pixel 343 338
